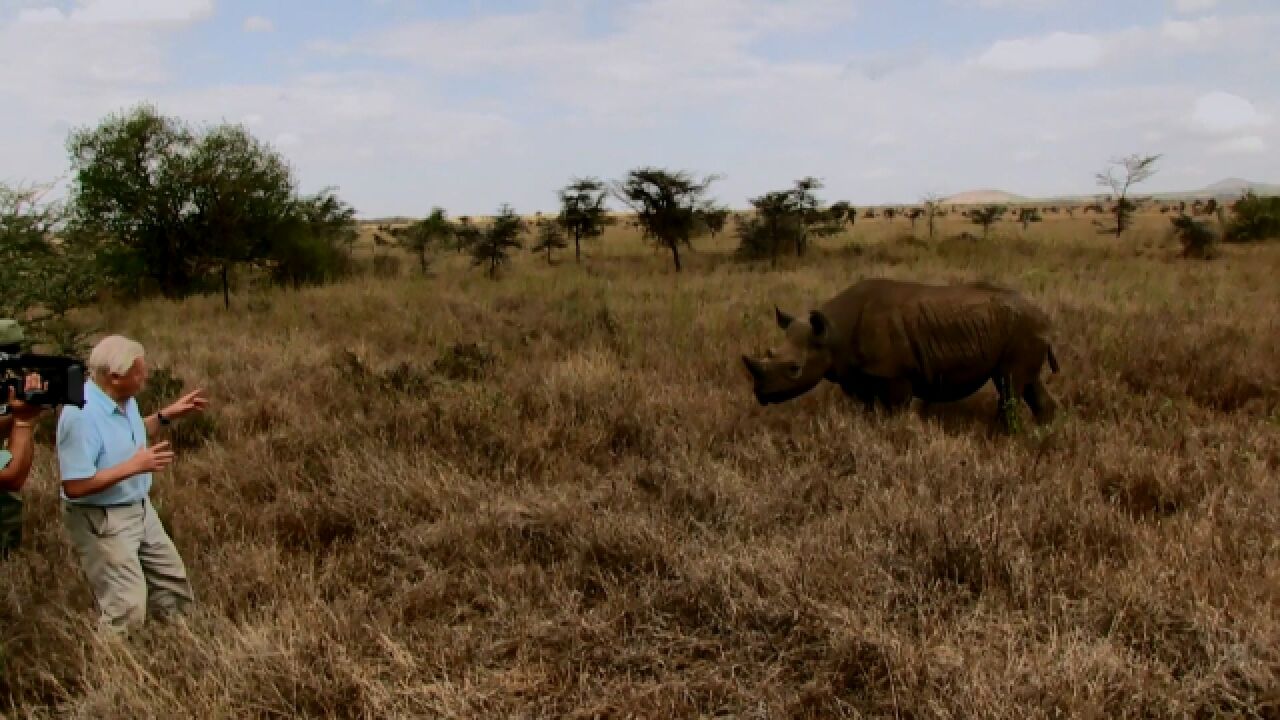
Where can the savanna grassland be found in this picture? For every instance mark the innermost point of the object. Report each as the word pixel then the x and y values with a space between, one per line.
pixel 554 496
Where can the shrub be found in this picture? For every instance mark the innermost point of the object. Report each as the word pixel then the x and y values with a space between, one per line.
pixel 1196 237
pixel 1254 219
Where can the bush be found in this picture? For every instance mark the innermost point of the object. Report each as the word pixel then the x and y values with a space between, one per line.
pixel 299 258
pixel 1254 219
pixel 386 266
pixel 1196 237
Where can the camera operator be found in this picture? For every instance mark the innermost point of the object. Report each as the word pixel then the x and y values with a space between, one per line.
pixel 15 464
pixel 17 428
pixel 105 463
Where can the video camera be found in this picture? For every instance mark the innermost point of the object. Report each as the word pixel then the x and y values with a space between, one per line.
pixel 63 375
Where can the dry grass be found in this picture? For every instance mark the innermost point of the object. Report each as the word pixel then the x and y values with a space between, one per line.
pixel 553 496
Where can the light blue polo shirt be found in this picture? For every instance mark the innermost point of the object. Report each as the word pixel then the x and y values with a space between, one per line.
pixel 98 436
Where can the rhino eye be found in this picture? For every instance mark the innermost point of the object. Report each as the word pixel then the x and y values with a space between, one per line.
pixel 795 369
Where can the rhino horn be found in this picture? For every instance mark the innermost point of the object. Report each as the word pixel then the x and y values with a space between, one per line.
pixel 784 320
pixel 753 367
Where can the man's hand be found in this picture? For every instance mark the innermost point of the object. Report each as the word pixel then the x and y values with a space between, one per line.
pixel 194 401
pixel 152 459
pixel 21 410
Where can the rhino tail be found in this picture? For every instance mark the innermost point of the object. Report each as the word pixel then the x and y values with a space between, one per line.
pixel 1053 360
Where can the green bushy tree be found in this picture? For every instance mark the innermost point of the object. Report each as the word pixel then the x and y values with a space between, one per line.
pixel 582 212
pixel 418 237
pixel 985 217
pixel 174 208
pixel 492 246
pixel 667 205
pixel 46 274
pixel 549 235
pixel 1253 219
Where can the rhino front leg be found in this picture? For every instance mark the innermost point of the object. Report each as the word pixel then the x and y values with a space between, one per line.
pixel 896 395
pixel 1006 417
pixel 1042 403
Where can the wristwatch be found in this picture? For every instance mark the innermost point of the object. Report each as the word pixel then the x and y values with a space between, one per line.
pixel 163 420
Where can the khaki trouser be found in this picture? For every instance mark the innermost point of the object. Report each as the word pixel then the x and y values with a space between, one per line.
pixel 131 564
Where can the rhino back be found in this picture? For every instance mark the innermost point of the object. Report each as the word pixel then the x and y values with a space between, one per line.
pixel 956 340
pixel 933 334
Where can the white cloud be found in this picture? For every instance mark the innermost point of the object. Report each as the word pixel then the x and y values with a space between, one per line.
pixel 1222 113
pixel 37 16
pixel 666 82
pixel 1194 6
pixel 141 12
pixel 887 138
pixel 1008 4
pixel 1244 145
pixel 1201 31
pixel 1055 51
pixel 257 23
pixel 287 140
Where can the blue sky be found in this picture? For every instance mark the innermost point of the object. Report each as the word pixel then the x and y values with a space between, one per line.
pixel 407 105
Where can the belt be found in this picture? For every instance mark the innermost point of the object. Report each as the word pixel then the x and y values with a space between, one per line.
pixel 108 505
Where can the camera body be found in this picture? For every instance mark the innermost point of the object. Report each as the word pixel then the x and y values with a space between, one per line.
pixel 64 376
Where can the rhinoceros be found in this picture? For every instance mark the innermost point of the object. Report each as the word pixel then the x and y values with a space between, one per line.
pixel 889 341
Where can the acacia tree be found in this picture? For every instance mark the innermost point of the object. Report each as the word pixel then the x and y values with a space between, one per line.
pixel 549 236
pixel 1120 175
pixel 785 219
pixel 714 219
pixel 465 234
pixel 582 213
pixel 667 205
pixel 775 226
pixel 914 214
pixel 932 206
pixel 1028 215
pixel 419 236
pixel 842 212
pixel 986 216
pixel 494 242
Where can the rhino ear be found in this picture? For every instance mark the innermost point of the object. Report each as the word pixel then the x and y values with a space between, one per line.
pixel 821 326
pixel 784 320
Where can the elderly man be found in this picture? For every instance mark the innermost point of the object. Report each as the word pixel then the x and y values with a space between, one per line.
pixel 127 556
pixel 15 460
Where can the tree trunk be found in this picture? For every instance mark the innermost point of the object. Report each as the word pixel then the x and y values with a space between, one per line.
pixel 675 254
pixel 577 247
pixel 226 288
pixel 422 258
pixel 548 254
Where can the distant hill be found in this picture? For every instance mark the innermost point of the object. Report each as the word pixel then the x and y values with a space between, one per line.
pixel 982 197
pixel 1228 188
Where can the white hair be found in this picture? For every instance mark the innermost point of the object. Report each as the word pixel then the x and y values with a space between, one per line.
pixel 114 354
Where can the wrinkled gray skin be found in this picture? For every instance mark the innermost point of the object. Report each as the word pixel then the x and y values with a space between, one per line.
pixel 889 341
